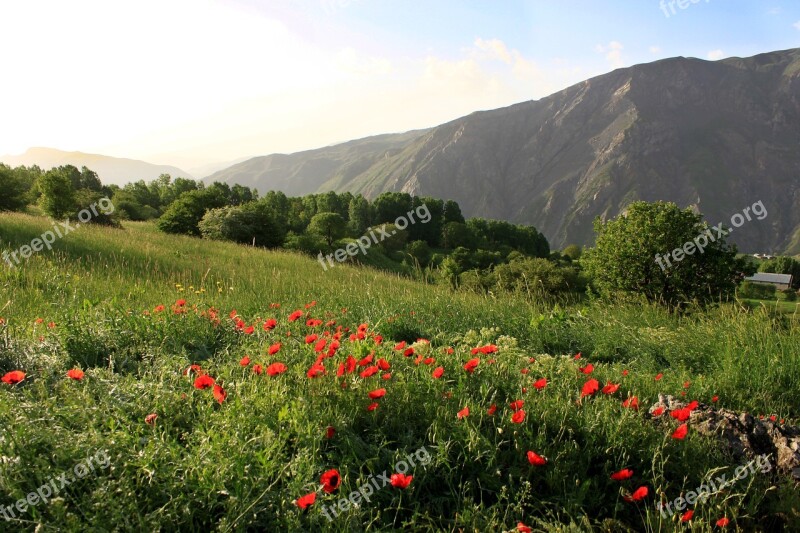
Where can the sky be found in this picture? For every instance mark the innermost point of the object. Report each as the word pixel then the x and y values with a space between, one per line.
pixel 197 82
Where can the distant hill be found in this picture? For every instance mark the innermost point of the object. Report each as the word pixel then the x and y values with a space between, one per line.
pixel 718 136
pixel 111 170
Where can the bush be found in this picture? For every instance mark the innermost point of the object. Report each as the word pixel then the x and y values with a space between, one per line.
pixel 757 291
pixel 251 223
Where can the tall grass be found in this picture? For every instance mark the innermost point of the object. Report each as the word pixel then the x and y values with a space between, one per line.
pixel 240 465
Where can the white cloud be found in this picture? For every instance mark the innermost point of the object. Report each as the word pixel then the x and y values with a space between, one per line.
pixel 715 55
pixel 655 49
pixel 494 49
pixel 613 53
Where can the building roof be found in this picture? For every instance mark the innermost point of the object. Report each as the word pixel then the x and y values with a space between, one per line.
pixel 764 277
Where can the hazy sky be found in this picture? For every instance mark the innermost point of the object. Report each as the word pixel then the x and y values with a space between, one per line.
pixel 190 82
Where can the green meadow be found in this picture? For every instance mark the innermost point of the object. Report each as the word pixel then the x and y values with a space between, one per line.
pixel 134 308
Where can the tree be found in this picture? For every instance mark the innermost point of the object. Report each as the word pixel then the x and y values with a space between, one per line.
pixel 14 190
pixel 329 226
pixel 58 193
pixel 184 215
pixel 358 213
pixel 456 234
pixel 631 250
pixel 389 206
pixel 452 212
pixel 573 251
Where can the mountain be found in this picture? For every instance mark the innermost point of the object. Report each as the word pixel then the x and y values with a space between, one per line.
pixel 325 169
pixel 718 136
pixel 111 170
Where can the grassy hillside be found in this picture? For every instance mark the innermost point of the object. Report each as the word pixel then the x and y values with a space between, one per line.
pixel 239 460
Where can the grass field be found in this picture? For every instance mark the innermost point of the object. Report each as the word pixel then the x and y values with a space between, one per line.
pixel 134 308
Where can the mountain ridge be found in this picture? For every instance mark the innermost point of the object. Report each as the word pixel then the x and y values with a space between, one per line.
pixel 111 170
pixel 714 135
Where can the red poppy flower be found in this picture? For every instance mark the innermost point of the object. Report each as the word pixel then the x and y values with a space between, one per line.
pixel 659 376
pixel 159 309
pixel 330 431
pixel 409 351
pixel 489 348
pixel 76 374
pixel 304 502
pixel 311 338
pixel 471 365
pixel 686 384
pixel 517 405
pixel 320 345
pixel 203 382
pixel 522 528
pixel 367 360
pixel 715 399
pixel 377 393
pixel 658 411
pixel 492 410
pixel 449 351
pixel 577 356
pixel 14 377
pixel 258 369
pixel 387 376
pixel 518 417
pixel 249 330
pixel 274 348
pixel 540 383
pixel 462 413
pixel 429 360
pixel 330 481
pixel 372 406
pixel 383 364
pixel 624 372
pixel 681 415
pixel 193 369
pixel 317 369
pixel 401 481
pixel 245 361
pixel 524 371
pixel 681 432
pixel 590 387
pixel 438 372
pixel 219 394
pixel 638 494
pixel 631 403
pixel 685 517
pixel 610 388
pixel 269 324
pixel 150 419
pixel 294 316
pixel 723 522
pixel 535 459
pixel 588 369
pixel 369 371
pixel 694 404
pixel 276 368
pixel 622 475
